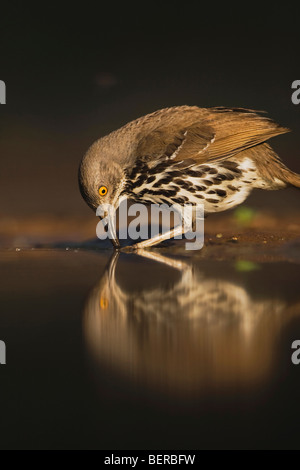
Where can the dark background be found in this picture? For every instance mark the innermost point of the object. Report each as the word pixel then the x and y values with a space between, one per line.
pixel 76 72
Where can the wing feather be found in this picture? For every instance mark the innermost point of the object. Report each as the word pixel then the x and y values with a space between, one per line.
pixel 201 134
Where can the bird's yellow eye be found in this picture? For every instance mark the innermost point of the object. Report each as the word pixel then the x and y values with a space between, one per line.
pixel 103 190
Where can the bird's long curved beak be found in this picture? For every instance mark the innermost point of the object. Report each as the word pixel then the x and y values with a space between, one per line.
pixel 112 232
pixel 107 215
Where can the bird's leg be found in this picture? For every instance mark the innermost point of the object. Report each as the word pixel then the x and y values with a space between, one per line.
pixel 179 230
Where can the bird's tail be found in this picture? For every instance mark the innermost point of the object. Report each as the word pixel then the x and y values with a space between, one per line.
pixel 291 178
pixel 272 169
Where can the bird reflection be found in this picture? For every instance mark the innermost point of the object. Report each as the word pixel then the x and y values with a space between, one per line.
pixel 184 334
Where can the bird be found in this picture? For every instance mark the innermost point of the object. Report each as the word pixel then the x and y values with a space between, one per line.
pixel 184 155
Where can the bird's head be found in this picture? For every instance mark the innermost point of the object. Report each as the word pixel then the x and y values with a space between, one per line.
pixel 101 182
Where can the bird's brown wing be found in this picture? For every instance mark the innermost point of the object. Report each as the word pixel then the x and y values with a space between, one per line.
pixel 202 135
pixel 176 142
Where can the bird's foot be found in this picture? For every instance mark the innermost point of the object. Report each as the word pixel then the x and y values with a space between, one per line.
pixel 131 248
pixel 127 249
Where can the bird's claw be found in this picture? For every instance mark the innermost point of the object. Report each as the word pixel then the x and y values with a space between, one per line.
pixel 131 248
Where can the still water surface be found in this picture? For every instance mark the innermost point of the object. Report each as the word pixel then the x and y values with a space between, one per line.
pixel 147 351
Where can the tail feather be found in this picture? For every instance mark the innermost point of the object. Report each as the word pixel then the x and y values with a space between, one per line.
pixel 272 169
pixel 291 178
